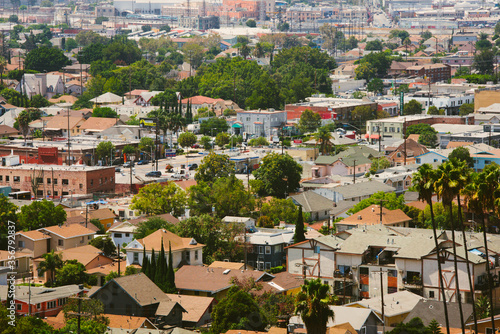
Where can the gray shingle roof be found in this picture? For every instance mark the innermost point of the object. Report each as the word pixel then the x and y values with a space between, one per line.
pixel 427 310
pixel 312 202
pixel 363 189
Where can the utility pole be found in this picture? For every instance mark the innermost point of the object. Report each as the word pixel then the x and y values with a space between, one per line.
pixel 69 143
pixel 381 272
pixel 156 142
pixel 379 139
pixel 404 136
pixel 354 172
pixel 131 191
pixel 119 260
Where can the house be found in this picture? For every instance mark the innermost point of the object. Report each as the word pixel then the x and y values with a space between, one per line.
pixel 75 87
pixel 266 248
pixel 398 68
pixel 67 236
pixel 229 265
pixel 123 233
pixel 259 123
pixel 282 283
pixel 364 321
pixel 22 265
pixel 428 310
pixel 199 101
pixel 345 328
pixel 185 250
pixel 430 157
pixel 166 216
pixel 104 270
pixel 139 296
pixel 315 204
pixel 144 99
pixel 43 84
pixel 107 98
pixel 57 126
pixel 43 302
pixel 128 322
pixel 99 124
pixel 397 306
pixel 248 221
pixel 34 241
pixel 406 154
pixel 7 131
pixel 198 309
pixel 354 192
pixel 105 216
pixel 213 282
pixel 482 159
pixel 343 164
pixel 135 93
pixel 373 215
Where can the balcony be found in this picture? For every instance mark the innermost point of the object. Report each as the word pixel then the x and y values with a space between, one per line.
pixel 412 282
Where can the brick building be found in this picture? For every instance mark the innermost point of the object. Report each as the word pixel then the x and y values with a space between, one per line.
pixel 55 181
pixel 328 107
pixel 434 72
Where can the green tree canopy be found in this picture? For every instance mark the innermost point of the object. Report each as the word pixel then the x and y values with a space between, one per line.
pixel 151 225
pixel 259 141
pixel 104 112
pixel 376 85
pixel 105 244
pixel 156 199
pixel 214 166
pixel 483 61
pixel 72 272
pixel 51 262
pixel 413 107
pixel 7 213
pixel 213 126
pixel 41 214
pixel 105 149
pixel 389 201
pixel 309 121
pixel 462 154
pixel 280 174
pixel 375 45
pixel 46 59
pixel 187 139
pixel 466 109
pixel 379 61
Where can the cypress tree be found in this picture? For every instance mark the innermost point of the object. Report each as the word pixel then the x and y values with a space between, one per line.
pixel 152 266
pixel 170 273
pixel 145 262
pixel 299 235
pixel 160 268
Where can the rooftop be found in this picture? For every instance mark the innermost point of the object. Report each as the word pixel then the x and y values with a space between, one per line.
pixel 372 216
pixel 68 231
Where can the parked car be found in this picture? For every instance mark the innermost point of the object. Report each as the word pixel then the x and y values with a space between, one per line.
pixel 128 164
pixel 118 169
pixel 193 166
pixel 154 173
pixel 178 176
pixel 143 162
pixel 195 146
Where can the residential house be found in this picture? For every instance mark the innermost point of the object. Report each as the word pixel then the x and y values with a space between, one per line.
pixel 198 309
pixel 248 221
pixel 43 84
pixel 184 250
pixel 123 233
pixel 213 282
pixel 316 205
pixel 57 126
pixel 40 301
pixel 139 296
pixel 343 164
pixel 126 322
pixel 354 192
pixel 67 236
pixel 266 248
pixel 104 270
pixel 283 283
pixel 75 87
pixel 229 265
pixel 405 154
pixel 259 123
pixel 397 306
pixel 144 99
pixel 135 93
pixel 22 262
pixel 364 321
pixel 35 241
pixel 105 216
pixel 7 131
pixel 397 177
pixel 136 221
pixel 482 159
pixel 373 215
pixel 430 157
pixel 345 328
pixel 216 105
pixel 398 68
pixel 107 98
pixel 428 310
pixel 98 124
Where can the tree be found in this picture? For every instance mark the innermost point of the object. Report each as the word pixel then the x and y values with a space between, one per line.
pixel 401 34
pixel 434 327
pixel 214 166
pixel 376 85
pixel 222 139
pixel 323 137
pixel 128 149
pixel 187 139
pixel 279 173
pixel 213 126
pixel 259 141
pixel 101 19
pixel 146 144
pixel 104 112
pixel 379 164
pixel 105 149
pixel 38 101
pixel 23 121
pixel 165 27
pixel 206 142
pixel 466 109
pixel 309 121
pixel 299 234
pixel 7 213
pixel 483 62
pixel 156 199
pixel 280 210
pixel 389 201
pixel 46 59
pixel 170 275
pixel 194 53
pixel 146 28
pixel 428 139
pixel 251 23
pixel 229 197
pixel 379 61
pixel 51 263
pixel 41 214
pixel 313 304
pixel 433 110
pixel 413 107
pixel 426 35
pixel 72 272
pixel 151 225
pixel 105 244
pixel 414 326
pixel 238 310
pixel 3 66
pixel 283 26
pixel 462 154
pixel 375 45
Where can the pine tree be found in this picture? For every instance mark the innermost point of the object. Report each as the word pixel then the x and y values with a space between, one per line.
pixel 145 262
pixel 299 227
pixel 434 327
pixel 170 288
pixel 152 266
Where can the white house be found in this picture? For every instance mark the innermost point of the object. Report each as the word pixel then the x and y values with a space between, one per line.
pixel 186 250
pixel 122 233
pixel 430 157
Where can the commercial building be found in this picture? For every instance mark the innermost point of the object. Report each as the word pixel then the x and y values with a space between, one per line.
pixel 433 72
pixel 55 181
pixel 259 123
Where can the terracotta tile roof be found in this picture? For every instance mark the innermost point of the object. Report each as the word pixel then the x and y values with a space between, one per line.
pixel 345 328
pixel 186 184
pixel 199 99
pixel 107 268
pixel 84 254
pixel 98 123
pixel 227 265
pixel 34 235
pixel 197 278
pixel 455 144
pixel 196 306
pixel 58 322
pixel 61 122
pixel 418 205
pixel 4 255
pixel 166 216
pixel 101 214
pixel 128 322
pixel 68 231
pixel 371 216
pixel 153 241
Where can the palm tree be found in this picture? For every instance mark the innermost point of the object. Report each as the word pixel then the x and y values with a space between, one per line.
pixel 446 187
pixel 482 196
pixel 3 65
pixel 423 183
pixel 23 120
pixel 313 303
pixel 51 262
pixel 323 137
pixel 461 174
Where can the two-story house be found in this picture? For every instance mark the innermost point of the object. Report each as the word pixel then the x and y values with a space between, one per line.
pixel 354 160
pixel 316 205
pixel 373 215
pixel 185 250
pixel 259 123
pixel 67 236
pixel 122 233
pixel 266 248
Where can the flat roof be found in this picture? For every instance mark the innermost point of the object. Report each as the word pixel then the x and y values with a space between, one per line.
pixel 57 167
pixel 77 143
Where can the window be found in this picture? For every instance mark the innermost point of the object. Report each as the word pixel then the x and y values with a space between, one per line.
pixel 188 256
pixel 136 257
pixel 39 179
pixel 19 307
pixel 60 242
pixel 268 249
pixel 17 179
pixel 89 237
pixel 91 182
pixel 363 271
pixel 1 178
pixel 431 294
pixel 268 265
pixel 196 255
pixel 65 182
pixel 20 244
pixel 260 265
pixel 418 160
pixel 131 213
pixel 118 235
pixel 38 306
pixel 261 249
pixel 81 186
pixel 55 181
pixel 277 248
pixel 127 234
pixel 7 178
pixel 317 249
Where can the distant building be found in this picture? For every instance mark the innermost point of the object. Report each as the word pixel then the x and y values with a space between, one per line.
pixel 259 123
pixel 433 72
